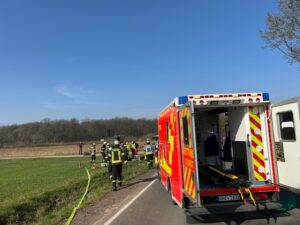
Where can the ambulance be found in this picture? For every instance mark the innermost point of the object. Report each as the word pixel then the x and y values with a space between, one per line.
pixel 216 153
pixel 286 126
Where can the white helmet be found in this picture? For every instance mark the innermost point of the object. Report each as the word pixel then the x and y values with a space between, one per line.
pixel 104 143
pixel 116 142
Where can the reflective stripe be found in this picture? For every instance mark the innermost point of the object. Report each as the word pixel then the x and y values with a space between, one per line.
pixel 116 156
pixel 148 150
pixel 257 143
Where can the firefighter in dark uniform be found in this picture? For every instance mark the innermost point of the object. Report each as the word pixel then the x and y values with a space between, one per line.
pixel 93 154
pixel 108 160
pixel 116 158
pixel 149 154
pixel 124 150
pixel 103 151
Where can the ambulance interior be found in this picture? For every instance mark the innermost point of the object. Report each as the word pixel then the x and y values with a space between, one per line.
pixel 221 141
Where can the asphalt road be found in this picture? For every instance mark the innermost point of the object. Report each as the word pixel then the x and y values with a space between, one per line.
pixel 154 207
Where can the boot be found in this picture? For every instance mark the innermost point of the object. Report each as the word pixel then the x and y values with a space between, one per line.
pixel 114 186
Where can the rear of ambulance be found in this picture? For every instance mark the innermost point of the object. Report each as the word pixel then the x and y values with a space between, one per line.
pixel 248 180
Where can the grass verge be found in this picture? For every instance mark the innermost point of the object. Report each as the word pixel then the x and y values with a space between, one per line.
pixel 44 191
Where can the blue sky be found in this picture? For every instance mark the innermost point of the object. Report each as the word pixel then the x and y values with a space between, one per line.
pixel 108 58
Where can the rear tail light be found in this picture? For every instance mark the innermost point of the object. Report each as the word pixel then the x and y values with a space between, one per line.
pixel 261 196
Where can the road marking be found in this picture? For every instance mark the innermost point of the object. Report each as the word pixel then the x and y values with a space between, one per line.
pixel 127 205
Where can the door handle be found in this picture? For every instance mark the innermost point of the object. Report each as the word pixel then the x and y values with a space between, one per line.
pixel 248 140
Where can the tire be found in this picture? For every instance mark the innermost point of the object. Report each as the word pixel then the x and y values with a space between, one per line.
pixel 185 202
pixel 232 222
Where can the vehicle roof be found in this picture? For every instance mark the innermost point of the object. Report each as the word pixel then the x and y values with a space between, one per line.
pixel 288 101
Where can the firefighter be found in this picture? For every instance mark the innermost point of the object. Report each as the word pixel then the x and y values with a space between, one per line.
pixel 136 148
pixel 93 154
pixel 156 150
pixel 108 160
pixel 124 148
pixel 128 149
pixel 149 154
pixel 132 146
pixel 80 148
pixel 116 158
pixel 103 151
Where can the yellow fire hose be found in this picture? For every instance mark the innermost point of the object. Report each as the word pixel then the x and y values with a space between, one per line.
pixel 81 200
pixel 234 177
pixel 250 195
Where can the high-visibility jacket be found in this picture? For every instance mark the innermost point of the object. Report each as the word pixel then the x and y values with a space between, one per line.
pixel 148 150
pixel 116 156
pixel 127 146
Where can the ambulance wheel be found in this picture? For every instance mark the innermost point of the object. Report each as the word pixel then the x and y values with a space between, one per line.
pixel 185 202
pixel 170 192
pixel 232 222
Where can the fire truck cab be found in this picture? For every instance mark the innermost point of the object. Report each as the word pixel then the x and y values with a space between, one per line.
pixel 216 153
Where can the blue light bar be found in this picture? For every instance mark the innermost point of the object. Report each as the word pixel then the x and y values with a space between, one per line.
pixel 183 99
pixel 266 97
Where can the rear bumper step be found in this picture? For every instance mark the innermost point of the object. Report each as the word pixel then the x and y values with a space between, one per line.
pixel 236 207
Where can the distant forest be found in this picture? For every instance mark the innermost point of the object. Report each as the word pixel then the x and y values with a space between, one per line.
pixel 57 131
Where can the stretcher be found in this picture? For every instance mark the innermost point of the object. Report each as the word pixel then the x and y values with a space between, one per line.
pixel 223 178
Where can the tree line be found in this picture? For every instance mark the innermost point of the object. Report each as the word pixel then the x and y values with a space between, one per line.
pixel 61 131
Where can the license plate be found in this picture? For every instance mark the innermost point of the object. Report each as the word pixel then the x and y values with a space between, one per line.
pixel 226 198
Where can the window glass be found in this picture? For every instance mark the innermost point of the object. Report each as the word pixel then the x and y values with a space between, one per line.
pixel 167 131
pixel 185 131
pixel 287 126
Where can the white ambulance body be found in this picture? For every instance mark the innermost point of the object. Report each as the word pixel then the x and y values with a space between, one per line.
pixel 286 126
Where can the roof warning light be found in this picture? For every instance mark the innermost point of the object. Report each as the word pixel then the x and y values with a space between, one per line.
pixel 183 99
pixel 266 97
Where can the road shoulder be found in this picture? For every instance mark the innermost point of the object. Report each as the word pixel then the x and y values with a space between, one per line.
pixel 109 205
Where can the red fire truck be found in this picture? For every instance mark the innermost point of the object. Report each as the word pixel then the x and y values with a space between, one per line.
pixel 216 153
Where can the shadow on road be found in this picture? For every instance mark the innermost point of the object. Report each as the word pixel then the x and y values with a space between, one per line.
pixel 289 199
pixel 237 218
pixel 137 182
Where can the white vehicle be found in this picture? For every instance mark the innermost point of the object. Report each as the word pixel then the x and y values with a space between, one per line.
pixel 286 126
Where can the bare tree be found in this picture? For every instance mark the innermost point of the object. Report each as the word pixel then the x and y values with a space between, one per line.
pixel 283 30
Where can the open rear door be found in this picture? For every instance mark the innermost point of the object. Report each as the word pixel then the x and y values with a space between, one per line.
pixel 189 153
pixel 259 143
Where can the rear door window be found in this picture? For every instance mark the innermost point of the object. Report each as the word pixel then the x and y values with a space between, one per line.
pixel 185 131
pixel 287 126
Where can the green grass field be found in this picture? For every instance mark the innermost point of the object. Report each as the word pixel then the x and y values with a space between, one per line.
pixel 44 191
